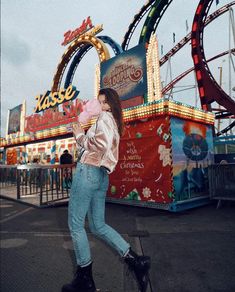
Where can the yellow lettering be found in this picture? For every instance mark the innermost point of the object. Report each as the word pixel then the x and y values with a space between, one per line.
pixel 37 108
pixel 60 98
pixel 40 104
pixel 53 99
pixel 69 94
pixel 46 103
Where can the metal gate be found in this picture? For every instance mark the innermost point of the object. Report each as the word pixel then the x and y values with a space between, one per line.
pixel 222 182
pixel 40 185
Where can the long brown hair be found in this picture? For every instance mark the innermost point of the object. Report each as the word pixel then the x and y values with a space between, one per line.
pixel 113 100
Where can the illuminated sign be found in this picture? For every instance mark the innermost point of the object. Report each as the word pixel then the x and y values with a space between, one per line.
pixel 52 99
pixel 49 118
pixel 126 73
pixel 71 35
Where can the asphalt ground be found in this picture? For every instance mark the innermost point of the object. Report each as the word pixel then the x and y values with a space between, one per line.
pixel 192 251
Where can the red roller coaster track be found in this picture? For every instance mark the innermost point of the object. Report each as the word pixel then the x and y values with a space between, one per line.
pixel 209 90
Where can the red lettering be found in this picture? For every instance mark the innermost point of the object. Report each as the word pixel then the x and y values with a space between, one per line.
pixel 77 32
pixel 88 22
pixel 69 36
pixel 83 26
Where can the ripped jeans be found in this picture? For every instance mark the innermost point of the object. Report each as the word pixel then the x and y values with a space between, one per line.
pixel 88 192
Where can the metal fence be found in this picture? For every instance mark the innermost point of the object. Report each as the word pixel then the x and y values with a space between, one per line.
pixel 7 175
pixel 222 182
pixel 37 184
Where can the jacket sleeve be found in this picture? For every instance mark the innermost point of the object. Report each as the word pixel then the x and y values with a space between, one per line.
pixel 102 139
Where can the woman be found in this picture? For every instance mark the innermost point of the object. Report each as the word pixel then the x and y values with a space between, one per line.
pixel 87 197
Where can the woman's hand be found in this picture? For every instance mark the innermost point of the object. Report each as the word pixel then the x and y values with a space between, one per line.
pixel 77 129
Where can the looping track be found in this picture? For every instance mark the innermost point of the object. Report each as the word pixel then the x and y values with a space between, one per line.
pixel 209 90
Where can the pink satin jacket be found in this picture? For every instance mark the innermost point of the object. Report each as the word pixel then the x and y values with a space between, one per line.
pixel 101 143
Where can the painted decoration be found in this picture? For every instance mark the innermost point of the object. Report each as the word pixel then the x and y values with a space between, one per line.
pixel 12 156
pixel 126 73
pixel 192 152
pixel 144 169
pixel 14 119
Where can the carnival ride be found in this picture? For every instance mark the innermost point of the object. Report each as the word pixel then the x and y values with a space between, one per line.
pixel 209 90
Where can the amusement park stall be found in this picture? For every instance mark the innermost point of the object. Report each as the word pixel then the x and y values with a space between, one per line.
pixel 164 157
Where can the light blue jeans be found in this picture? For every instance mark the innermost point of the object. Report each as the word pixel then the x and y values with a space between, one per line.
pixel 88 192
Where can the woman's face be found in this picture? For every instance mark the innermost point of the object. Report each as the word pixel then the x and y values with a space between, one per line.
pixel 104 105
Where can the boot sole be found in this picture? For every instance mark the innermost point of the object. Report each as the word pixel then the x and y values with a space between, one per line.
pixel 86 290
pixel 140 289
pixel 89 290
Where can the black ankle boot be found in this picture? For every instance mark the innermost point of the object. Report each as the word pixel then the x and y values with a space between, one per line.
pixel 82 282
pixel 140 265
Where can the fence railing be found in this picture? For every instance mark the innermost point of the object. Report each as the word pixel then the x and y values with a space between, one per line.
pixel 7 175
pixel 38 184
pixel 222 181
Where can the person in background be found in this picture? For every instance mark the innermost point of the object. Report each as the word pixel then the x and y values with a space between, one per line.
pixel 35 160
pixel 66 158
pixel 88 192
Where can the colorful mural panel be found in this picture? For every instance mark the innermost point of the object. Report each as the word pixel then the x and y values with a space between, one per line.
pixel 192 152
pixel 144 169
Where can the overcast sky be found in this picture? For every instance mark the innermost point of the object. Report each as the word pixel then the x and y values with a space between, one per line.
pixel 32 32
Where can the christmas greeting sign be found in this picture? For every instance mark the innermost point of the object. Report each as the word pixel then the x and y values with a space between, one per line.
pixel 144 169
